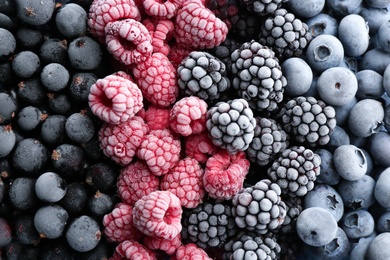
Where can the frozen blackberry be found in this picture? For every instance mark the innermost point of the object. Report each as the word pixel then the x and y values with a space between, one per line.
pixel 257 76
pixel 245 26
pixel 295 170
pixel 259 208
pixel 231 125
pixel 35 12
pixel 293 208
pixel 31 91
pixel 202 75
pixel 262 7
pixel 8 107
pixel 287 35
pixel 53 130
pixel 225 50
pixel 30 156
pixel 79 127
pixel 252 246
pixel 290 246
pixel 226 10
pixel 208 225
pixel 269 140
pixel 308 120
pixel 83 233
pixel 54 51
pixel 50 221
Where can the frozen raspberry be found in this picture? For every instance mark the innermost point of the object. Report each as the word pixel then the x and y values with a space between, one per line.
pixel 128 41
pixel 161 32
pixel 188 116
pixel 168 246
pixel 132 250
pixel 115 99
pixel 118 225
pixel 123 75
pixel 157 117
pixel 156 77
pixel 200 147
pixel 185 181
pixel 102 12
pixel 197 27
pixel 177 54
pixel 120 142
pixel 136 181
pixel 224 174
pixel 190 252
pixel 158 214
pixel 161 151
pixel 162 9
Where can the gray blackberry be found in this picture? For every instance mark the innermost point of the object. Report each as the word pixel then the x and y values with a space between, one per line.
pixel 293 208
pixel 295 170
pixel 225 50
pixel 226 10
pixel 257 76
pixel 231 125
pixel 259 208
pixel 290 246
pixel 203 75
pixel 263 7
pixel 245 25
pixel 287 35
pixel 208 225
pixel 252 246
pixel 270 139
pixel 308 120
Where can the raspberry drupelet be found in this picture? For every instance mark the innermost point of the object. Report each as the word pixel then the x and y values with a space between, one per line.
pixel 224 174
pixel 162 9
pixel 120 142
pixel 158 214
pixel 188 116
pixel 102 12
pixel 160 150
pixel 118 224
pixel 115 99
pixel 185 181
pixel 161 31
pixel 132 250
pixel 136 181
pixel 200 147
pixel 168 246
pixel 156 77
pixel 190 251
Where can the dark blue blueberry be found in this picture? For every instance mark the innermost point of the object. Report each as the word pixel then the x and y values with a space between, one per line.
pixel 35 12
pixel 25 231
pixel 29 118
pixel 350 162
pixel 5 232
pixel 100 204
pixel 50 187
pixel 101 176
pixel 25 64
pixel 54 51
pixel 375 17
pixel 8 107
pixel 379 247
pixel 80 85
pixel 8 43
pixel 382 188
pixel 28 38
pixel 306 8
pixel 83 234
pixel 7 140
pixel 54 77
pixel 375 59
pixel 322 23
pixel 357 194
pixel 22 194
pixel 53 130
pixel 32 92
pixel 337 138
pixel 378 146
pixel 342 8
pixel 50 221
pixel 299 76
pixel 84 53
pixel 30 156
pixel 59 103
pixel 71 20
pixel 357 224
pixel 328 174
pixel 79 127
pixel 75 199
pixel 68 159
pixel 383 223
pixel 342 112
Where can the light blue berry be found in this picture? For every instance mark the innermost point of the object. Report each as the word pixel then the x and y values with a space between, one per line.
pixel 350 162
pixel 353 34
pixel 366 117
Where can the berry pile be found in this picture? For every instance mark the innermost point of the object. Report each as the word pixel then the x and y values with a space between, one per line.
pixel 194 129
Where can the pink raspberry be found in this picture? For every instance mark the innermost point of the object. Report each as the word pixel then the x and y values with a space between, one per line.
pixel 161 32
pixel 168 246
pixel 156 77
pixel 177 54
pixel 190 252
pixel 161 9
pixel 120 142
pixel 200 147
pixel 158 214
pixel 102 12
pixel 119 226
pixel 185 181
pixel 136 181
pixel 224 174
pixel 115 99
pixel 157 117
pixel 161 151
pixel 188 116
pixel 132 250
pixel 128 41
pixel 123 75
pixel 197 27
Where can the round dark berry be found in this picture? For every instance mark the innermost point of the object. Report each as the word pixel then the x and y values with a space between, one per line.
pixel 75 199
pixel 6 72
pixel 32 92
pixel 100 204
pixel 25 64
pixel 35 12
pixel 84 53
pixel 29 118
pixel 54 51
pixel 53 249
pixel 92 149
pixel 101 176
pixel 80 85
pixel 54 77
pixel 71 20
pixel 83 234
pixel 28 38
pixel 50 187
pixel 25 230
pixel 53 130
pixel 59 103
pixel 22 194
pixel 8 43
pixel 68 159
pixel 5 232
pixel 79 127
pixel 2 191
pixel 262 7
pixel 50 221
pixel 7 140
pixel 8 108
pixel 101 251
pixel 30 156
pixel 8 6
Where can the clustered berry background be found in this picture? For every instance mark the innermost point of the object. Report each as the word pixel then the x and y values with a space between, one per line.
pixel 194 129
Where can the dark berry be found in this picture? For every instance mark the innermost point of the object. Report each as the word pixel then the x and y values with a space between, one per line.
pixel 5 232
pixel 80 85
pixel 13 250
pixel 50 221
pixel 8 22
pixel 22 194
pixel 7 6
pixel 75 199
pixel 79 127
pixel 54 51
pixel 59 103
pixel 30 156
pixel 7 140
pixel 6 72
pixel 71 20
pixel 101 176
pixel 35 12
pixel 53 130
pixel 55 249
pixel 92 149
pixel 29 118
pixel 100 204
pixel 83 234
pixel 8 108
pixel 68 159
pixel 84 53
pixel 50 187
pixel 31 91
pixel 28 39
pixel 25 230
pixel 54 77
pixel 25 64
pixel 101 251
pixel 8 43
pixel 2 191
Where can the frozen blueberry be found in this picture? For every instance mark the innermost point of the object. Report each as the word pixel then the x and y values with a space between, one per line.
pixel 378 248
pixel 378 146
pixel 68 159
pixel 299 76
pixel 382 189
pixel 328 174
pixel 350 162
pixel 338 137
pixel 100 204
pixel 75 199
pixel 7 140
pixel 316 226
pixel 366 117
pixel 53 130
pixel 80 85
pixel 50 221
pixel 54 77
pixel 370 84
pixel 8 22
pixel 71 20
pixel 29 118
pixel 50 187
pixel 322 23
pixel 25 231
pixel 386 79
pixel 59 103
pixel 359 248
pixel 306 9
pixel 84 53
pixel 383 223
pixel 8 43
pixel 83 234
pixel 8 107
pixel 29 38
pixel 342 8
pixel 35 12
pixel 79 127
pixel 54 51
pixel 353 33
pixel 378 3
pixel 22 194
pixel 25 64
pixel 32 92
pixel 375 59
pixel 30 156
pixel 357 194
pixel 374 17
pixel 358 223
pixel 326 197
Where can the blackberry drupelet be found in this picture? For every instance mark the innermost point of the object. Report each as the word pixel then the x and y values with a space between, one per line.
pixel 203 75
pixel 231 125
pixel 308 120
pixel 259 208
pixel 295 170
pixel 293 209
pixel 257 76
pixel 225 50
pixel 252 246
pixel 270 139
pixel 262 7
pixel 208 225
pixel 287 35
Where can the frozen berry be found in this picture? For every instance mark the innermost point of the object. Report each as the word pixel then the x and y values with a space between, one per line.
pixel 25 64
pixel 8 108
pixel 71 20
pixel 161 31
pixel 79 127
pixel 8 43
pixel 25 230
pixel 199 147
pixel 54 77
pixel 83 233
pixel 84 53
pixel 50 221
pixel 164 245
pixel 35 13
pixel 131 249
pixel 53 130
pixel 100 204
pixel 30 156
pixel 50 187
pixel 68 159
pixel 6 232
pixel 157 117
pixel 30 118
pixel 80 85
pixel 191 251
pixel 75 198
pixel 54 51
pixel 32 91
pixel 22 194
pixel 7 140
pixel 101 176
